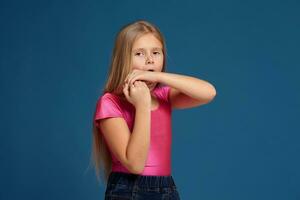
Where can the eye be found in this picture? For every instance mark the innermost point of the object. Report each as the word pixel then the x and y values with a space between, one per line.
pixel 156 52
pixel 138 53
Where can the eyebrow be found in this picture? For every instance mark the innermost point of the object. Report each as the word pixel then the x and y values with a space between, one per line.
pixel 142 49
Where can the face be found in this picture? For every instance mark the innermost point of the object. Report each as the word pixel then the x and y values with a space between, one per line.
pixel 147 55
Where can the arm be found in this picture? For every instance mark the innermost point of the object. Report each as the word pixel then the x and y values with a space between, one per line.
pixel 186 91
pixel 138 145
pixel 131 149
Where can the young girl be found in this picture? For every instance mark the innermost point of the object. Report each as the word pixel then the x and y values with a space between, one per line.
pixel 132 121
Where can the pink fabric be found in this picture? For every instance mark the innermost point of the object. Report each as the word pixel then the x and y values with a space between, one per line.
pixel 159 156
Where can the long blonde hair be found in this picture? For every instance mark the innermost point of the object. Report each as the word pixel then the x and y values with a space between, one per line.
pixel 120 67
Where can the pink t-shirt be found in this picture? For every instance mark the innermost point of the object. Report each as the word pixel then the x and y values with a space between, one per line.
pixel 159 155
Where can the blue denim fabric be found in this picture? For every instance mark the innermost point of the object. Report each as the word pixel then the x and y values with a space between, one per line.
pixel 121 186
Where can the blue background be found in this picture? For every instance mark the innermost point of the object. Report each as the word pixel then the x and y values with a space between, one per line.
pixel 242 145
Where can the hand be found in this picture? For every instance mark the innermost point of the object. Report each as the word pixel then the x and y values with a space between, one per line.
pixel 146 76
pixel 138 94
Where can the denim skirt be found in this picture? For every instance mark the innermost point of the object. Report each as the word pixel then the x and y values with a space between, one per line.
pixel 121 186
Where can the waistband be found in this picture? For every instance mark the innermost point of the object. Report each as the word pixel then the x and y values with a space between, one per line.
pixel 140 180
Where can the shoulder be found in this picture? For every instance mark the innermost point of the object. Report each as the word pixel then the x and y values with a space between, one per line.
pixel 110 98
pixel 108 105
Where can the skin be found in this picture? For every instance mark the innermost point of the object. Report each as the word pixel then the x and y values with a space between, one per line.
pixel 132 148
pixel 185 92
pixel 147 56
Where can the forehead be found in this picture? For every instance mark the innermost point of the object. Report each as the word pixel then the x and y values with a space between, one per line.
pixel 147 41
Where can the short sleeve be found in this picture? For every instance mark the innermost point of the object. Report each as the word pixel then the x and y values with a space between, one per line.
pixel 107 107
pixel 164 93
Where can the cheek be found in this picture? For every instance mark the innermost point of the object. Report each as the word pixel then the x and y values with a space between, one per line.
pixel 137 63
pixel 159 61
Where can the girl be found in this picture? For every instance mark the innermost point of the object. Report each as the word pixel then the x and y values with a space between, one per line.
pixel 132 120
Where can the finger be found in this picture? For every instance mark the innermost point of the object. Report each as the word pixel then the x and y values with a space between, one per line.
pixel 137 83
pixel 133 79
pixel 126 91
pixel 126 79
pixel 130 81
pixel 141 82
pixel 131 85
pixel 132 75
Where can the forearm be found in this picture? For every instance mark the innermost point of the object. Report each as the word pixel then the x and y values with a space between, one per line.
pixel 139 141
pixel 191 86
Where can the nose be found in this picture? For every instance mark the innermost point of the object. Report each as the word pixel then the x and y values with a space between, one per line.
pixel 149 60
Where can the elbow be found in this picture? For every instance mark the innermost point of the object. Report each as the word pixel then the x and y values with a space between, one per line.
pixel 136 168
pixel 213 93
pixel 137 171
pixel 210 95
pixel 134 165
